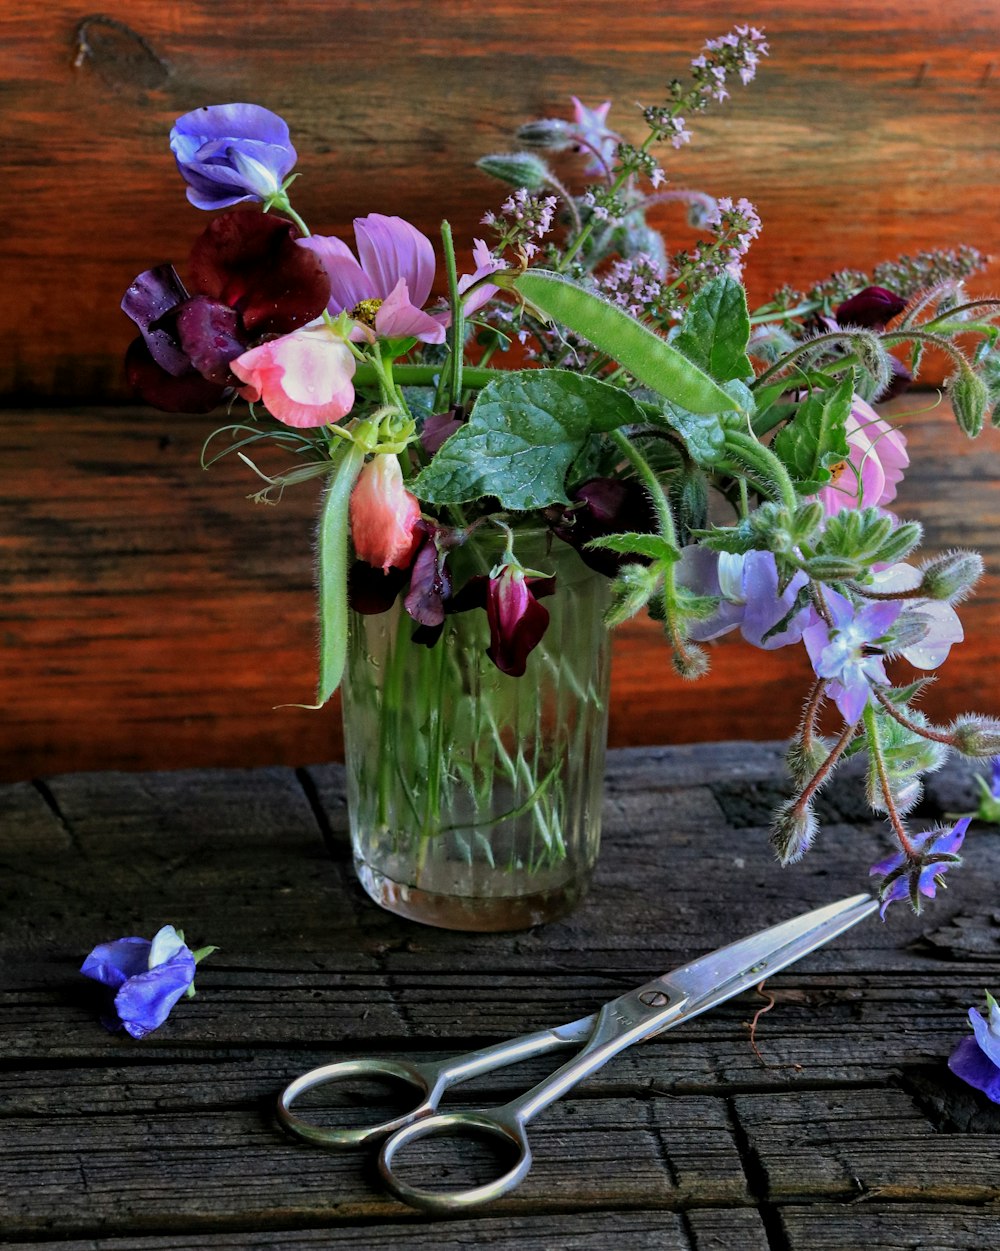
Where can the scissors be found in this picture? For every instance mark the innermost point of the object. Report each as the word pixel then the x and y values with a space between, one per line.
pixel 642 1013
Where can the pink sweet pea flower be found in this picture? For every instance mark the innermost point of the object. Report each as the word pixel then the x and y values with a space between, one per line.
pixel 304 378
pixel 873 469
pixel 486 263
pixel 385 517
pixel 517 620
pixel 386 291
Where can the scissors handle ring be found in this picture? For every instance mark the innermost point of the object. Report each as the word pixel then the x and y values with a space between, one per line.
pixel 454 1124
pixel 344 1070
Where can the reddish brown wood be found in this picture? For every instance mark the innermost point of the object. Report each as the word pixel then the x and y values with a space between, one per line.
pixel 871 131
pixel 152 616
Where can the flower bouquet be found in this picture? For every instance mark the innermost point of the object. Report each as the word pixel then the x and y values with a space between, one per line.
pixel 587 425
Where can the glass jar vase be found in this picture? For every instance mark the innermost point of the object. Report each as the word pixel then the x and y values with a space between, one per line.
pixel 475 797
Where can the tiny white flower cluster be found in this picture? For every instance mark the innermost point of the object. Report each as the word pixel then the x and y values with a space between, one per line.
pixel 634 284
pixel 738 52
pixel 525 218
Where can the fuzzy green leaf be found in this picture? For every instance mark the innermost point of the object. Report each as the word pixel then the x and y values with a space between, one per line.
pixel 716 330
pixel 655 546
pixel 815 439
pixel 525 432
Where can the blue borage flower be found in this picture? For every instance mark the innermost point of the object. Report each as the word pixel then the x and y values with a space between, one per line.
pixel 148 977
pixel 905 875
pixel 977 1060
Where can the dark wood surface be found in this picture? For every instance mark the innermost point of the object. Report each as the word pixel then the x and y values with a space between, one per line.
pixel 870 132
pixel 153 617
pixel 847 1130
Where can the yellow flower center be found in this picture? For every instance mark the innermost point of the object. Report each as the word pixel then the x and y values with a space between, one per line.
pixel 365 310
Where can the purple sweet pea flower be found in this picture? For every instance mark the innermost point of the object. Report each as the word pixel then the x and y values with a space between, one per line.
pixel 252 282
pixel 871 308
pixel 747 586
pixel 227 153
pixel 849 654
pixel 601 507
pixel 977 1060
pixel 937 852
pixel 148 977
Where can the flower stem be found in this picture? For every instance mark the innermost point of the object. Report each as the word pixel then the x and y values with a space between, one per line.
pixel 823 772
pixel 456 332
pixel 878 757
pixel 935 736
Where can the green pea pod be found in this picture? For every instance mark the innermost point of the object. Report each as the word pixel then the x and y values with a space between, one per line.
pixel 332 573
pixel 650 359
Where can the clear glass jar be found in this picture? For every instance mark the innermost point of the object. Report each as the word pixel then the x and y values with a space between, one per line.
pixel 475 797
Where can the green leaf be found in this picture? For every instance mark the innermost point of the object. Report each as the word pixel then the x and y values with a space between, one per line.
pixel 716 330
pixel 815 439
pixel 734 539
pixel 704 435
pixel 648 358
pixel 655 546
pixel 524 433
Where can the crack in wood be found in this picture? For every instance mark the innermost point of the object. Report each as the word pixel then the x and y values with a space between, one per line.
pixel 757 1182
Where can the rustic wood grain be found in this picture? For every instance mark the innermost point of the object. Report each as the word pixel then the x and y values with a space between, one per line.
pixel 154 617
pixel 704 1229
pixel 691 1142
pixel 868 133
pixel 891 1227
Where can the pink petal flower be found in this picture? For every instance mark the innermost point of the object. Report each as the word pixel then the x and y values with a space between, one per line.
pixel 486 263
pixel 384 515
pixel 390 249
pixel 304 378
pixel 349 284
pixel 398 318
pixel 874 468
pixel 395 273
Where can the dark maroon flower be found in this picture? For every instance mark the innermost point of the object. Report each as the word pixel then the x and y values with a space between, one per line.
pixel 430 586
pixel 873 308
pixel 437 428
pixel 253 282
pixel 370 591
pixel 517 620
pixel 605 506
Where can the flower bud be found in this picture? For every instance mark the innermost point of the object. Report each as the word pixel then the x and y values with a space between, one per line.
pixel 872 308
pixel 630 592
pixel 970 398
pixel 807 519
pixel 952 576
pixel 520 169
pixel 793 830
pixel 832 568
pixel 551 134
pixel 899 543
pixel 804 761
pixel 976 736
pixel 692 663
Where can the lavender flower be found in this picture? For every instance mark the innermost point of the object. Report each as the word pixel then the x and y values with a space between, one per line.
pixel 738 52
pixel 231 152
pixel 977 1060
pixel 905 875
pixel 750 599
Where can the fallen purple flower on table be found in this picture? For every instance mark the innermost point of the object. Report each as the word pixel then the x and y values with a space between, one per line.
pixel 148 977
pixel 977 1060
pixel 910 878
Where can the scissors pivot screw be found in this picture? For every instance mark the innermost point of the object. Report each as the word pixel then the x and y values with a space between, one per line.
pixel 654 998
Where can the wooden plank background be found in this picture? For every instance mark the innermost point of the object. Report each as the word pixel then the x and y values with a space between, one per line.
pixel 151 616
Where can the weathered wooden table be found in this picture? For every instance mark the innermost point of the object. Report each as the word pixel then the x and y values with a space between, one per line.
pixel 843 1130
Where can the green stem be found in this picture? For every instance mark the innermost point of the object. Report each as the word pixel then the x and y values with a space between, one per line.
pixel 284 206
pixel 878 756
pixel 456 332
pixel 836 336
pixel 425 375
pixel 584 234
pixel 764 462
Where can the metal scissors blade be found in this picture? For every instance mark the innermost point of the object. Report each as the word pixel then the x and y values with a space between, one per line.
pixel 642 1013
pixel 722 974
